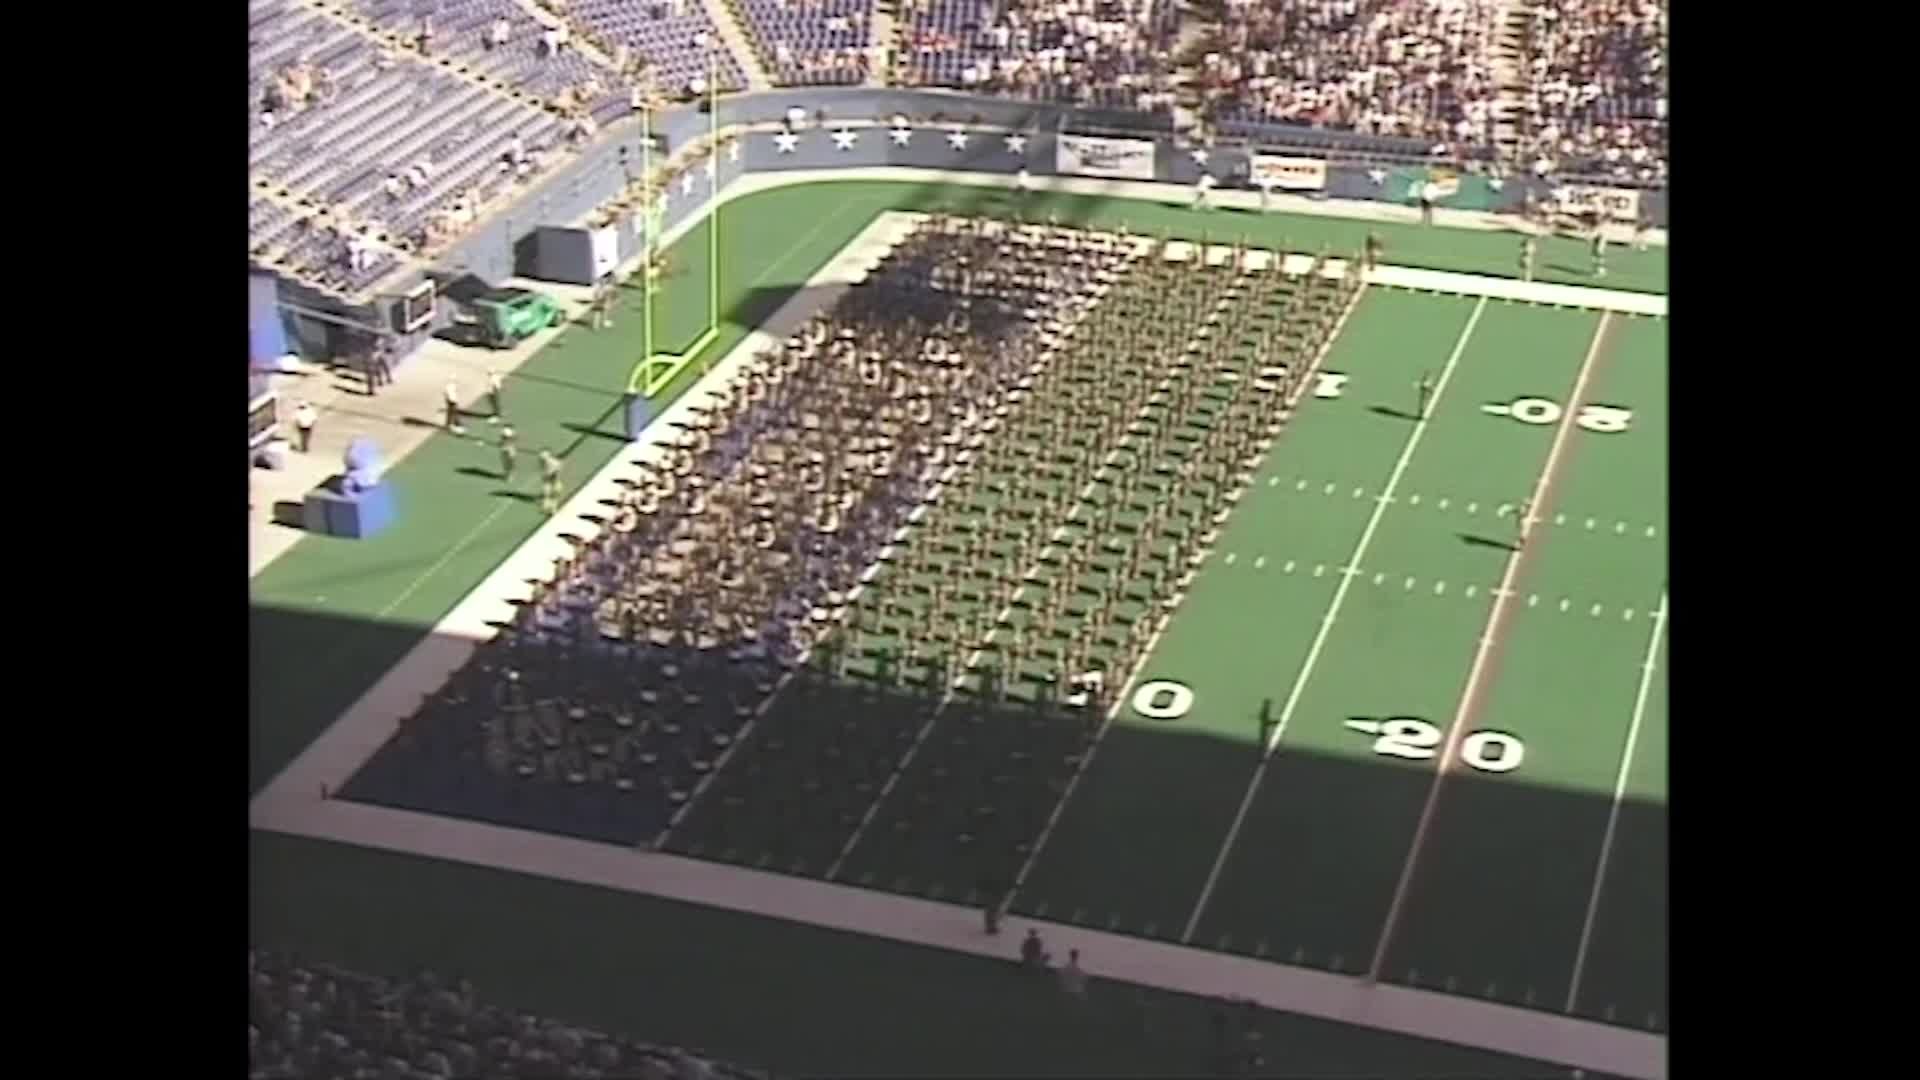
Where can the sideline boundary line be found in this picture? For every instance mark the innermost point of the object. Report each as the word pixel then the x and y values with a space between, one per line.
pixel 1613 812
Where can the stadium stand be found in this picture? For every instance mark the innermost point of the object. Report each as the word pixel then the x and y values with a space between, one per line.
pixel 1376 67
pixel 1110 53
pixel 320 1020
pixel 1595 101
pixel 383 129
pixel 810 42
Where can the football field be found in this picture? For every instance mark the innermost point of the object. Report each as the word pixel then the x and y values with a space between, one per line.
pixel 1406 720
pixel 1389 730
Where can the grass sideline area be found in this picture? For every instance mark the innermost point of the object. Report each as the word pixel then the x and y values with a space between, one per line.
pixel 331 616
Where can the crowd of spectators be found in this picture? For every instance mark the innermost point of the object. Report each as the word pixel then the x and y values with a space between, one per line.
pixel 1109 53
pixel 1595 98
pixel 319 1022
pixel 1411 68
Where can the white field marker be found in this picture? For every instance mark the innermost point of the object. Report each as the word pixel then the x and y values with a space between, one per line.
pixel 1439 588
pixel 1443 503
pixel 1259 562
pixel 1326 627
pixel 1230 557
pixel 1619 793
pixel 1287 569
pixel 1471 589
pixel 1413 500
pixel 1473 508
pixel 1319 569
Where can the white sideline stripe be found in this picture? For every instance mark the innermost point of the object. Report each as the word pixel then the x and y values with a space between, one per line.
pixel 1358 558
pixel 1451 749
pixel 1619 794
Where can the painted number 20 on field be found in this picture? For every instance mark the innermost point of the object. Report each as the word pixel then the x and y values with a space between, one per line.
pixel 1416 740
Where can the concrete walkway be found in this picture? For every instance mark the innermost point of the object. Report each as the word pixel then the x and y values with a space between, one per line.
pixel 294 802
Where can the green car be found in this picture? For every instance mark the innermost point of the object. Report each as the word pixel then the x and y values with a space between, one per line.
pixel 509 316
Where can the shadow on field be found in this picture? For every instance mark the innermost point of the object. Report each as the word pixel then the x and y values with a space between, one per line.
pixel 596 751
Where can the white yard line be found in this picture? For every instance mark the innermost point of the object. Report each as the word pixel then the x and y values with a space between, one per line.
pixel 1326 621
pixel 1619 794
pixel 1489 636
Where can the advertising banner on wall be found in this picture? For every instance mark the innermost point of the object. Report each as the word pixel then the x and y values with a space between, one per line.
pixel 1621 205
pixel 1289 173
pixel 1118 159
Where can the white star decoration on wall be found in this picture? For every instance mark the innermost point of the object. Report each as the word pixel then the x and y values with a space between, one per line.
pixel 1378 176
pixel 1200 155
pixel 686 183
pixel 733 150
pixel 958 138
pixel 900 136
pixel 843 139
pixel 785 142
pixel 1016 144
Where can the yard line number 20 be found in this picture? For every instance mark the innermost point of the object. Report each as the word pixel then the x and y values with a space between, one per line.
pixel 1415 739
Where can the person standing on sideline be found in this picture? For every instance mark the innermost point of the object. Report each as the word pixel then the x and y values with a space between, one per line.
pixel 509 453
pixel 1429 192
pixel 383 362
pixel 1033 952
pixel 549 481
pixel 1375 246
pixel 1423 387
pixel 1528 248
pixel 304 417
pixel 1023 181
pixel 453 408
pixel 1072 979
pixel 494 382
pixel 1599 253
pixel 1522 516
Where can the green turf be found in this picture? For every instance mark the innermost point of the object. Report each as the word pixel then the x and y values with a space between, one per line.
pixel 330 616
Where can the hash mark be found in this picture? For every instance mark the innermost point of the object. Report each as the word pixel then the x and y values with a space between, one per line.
pixel 1471 589
pixel 1443 504
pixel 1329 490
pixel 1413 500
pixel 1589 524
pixel 1357 493
pixel 1565 603
pixel 1473 508
pixel 1319 569
pixel 1409 584
pixel 1301 486
pixel 1259 562
pixel 1649 530
pixel 1273 481
pixel 1595 612
pixel 1439 588
pixel 1619 528
pixel 1378 578
pixel 1533 600
pixel 1628 617
pixel 1230 557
